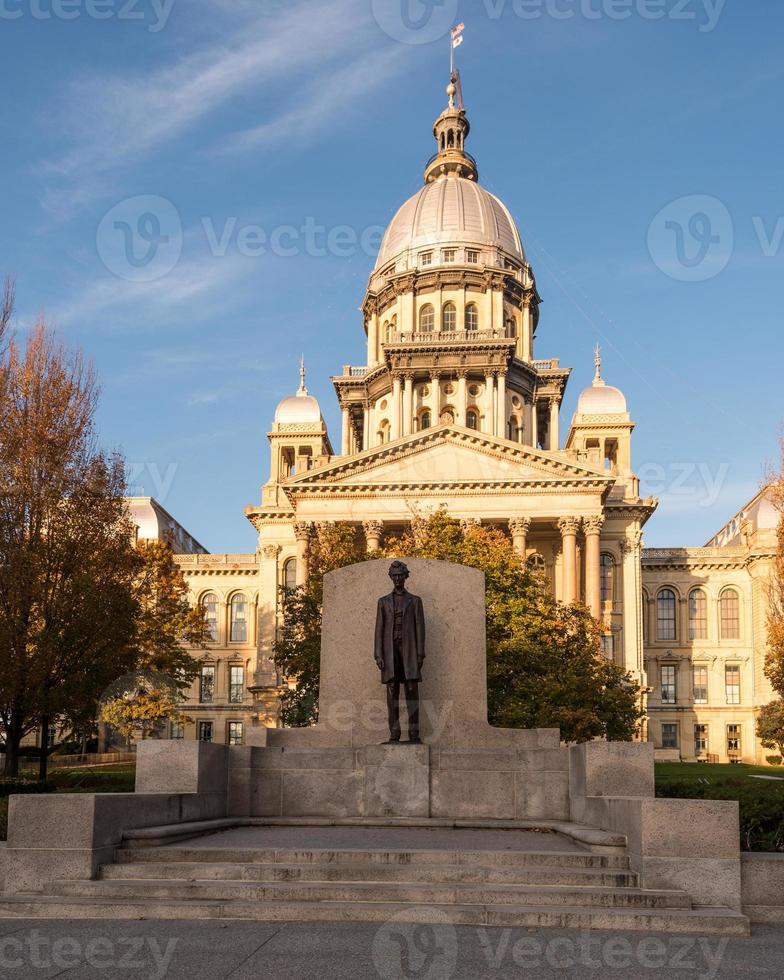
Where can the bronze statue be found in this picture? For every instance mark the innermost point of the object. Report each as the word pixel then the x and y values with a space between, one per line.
pixel 400 651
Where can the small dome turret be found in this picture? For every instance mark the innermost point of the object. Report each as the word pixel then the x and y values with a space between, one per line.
pixel 300 407
pixel 601 398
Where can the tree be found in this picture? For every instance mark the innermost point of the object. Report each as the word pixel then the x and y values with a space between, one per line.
pixel 774 658
pixel 141 702
pixel 544 659
pixel 770 726
pixel 79 604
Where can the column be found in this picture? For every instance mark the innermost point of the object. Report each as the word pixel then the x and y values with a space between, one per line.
pixel 519 528
pixel 373 326
pixel 569 526
pixel 554 441
pixel 366 437
pixel 302 532
pixel 346 440
pixel 462 398
pixel 489 425
pixel 373 531
pixel 408 404
pixel 500 418
pixel 396 399
pixel 525 350
pixel 529 436
pixel 593 584
pixel 435 399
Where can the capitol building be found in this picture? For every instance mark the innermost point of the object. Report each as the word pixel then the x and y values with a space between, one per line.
pixel 454 410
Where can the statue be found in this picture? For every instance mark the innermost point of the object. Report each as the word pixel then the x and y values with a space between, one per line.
pixel 400 651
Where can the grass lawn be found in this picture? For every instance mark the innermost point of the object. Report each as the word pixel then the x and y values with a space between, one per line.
pixel 761 800
pixel 118 778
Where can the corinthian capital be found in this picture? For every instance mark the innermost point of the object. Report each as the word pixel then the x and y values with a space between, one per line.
pixel 593 524
pixel 569 525
pixel 520 525
pixel 373 529
pixel 303 530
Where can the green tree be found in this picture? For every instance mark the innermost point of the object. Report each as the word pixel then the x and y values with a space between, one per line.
pixel 544 659
pixel 770 726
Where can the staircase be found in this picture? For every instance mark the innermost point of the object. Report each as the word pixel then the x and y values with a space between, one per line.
pixel 562 885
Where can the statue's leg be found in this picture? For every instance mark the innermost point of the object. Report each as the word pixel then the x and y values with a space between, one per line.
pixel 412 705
pixel 393 710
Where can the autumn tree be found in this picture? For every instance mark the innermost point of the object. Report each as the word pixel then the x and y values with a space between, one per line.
pixel 770 726
pixel 545 666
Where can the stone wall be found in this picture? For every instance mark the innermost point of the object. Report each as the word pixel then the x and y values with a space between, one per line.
pixel 762 880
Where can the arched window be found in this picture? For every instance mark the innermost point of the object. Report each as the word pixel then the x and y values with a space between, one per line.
pixel 666 606
pixel 239 619
pixel 472 420
pixel 511 327
pixel 210 605
pixel 450 139
pixel 729 605
pixel 383 432
pixel 698 615
pixel 290 574
pixel 387 332
pixel 427 319
pixel 472 317
pixel 424 420
pixel 606 576
pixel 449 322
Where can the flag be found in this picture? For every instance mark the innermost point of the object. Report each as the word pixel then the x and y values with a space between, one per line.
pixel 457 30
pixel 458 41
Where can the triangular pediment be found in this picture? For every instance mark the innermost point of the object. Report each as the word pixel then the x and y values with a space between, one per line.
pixel 450 455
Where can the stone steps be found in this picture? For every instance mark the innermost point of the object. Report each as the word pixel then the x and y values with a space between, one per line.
pixel 702 921
pixel 357 856
pixel 394 892
pixel 440 873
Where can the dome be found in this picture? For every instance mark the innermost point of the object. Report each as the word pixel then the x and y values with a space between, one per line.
pixel 300 407
pixel 450 210
pixel 601 398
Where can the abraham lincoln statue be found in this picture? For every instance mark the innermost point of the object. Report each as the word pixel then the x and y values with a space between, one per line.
pixel 400 651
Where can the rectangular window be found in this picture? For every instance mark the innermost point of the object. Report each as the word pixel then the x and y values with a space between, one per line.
pixel 733 741
pixel 700 739
pixel 729 605
pixel 669 735
pixel 700 685
pixel 207 685
pixel 608 645
pixel 236 685
pixel 234 733
pixel 177 730
pixel 205 731
pixel 449 254
pixel 732 683
pixel 426 258
pixel 698 615
pixel 472 257
pixel 669 692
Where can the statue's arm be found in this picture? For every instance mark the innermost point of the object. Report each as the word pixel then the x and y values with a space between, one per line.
pixel 420 630
pixel 378 649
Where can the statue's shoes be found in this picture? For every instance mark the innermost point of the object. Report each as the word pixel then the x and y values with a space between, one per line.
pixel 391 741
pixel 415 741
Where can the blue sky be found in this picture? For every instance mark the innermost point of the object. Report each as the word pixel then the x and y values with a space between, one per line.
pixel 638 143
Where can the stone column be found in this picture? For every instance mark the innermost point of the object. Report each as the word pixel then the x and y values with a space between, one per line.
pixel 373 531
pixel 396 404
pixel 529 436
pixel 408 405
pixel 554 441
pixel 489 425
pixel 525 349
pixel 593 585
pixel 569 526
pixel 366 435
pixel 303 532
pixel 500 419
pixel 519 528
pixel 346 440
pixel 435 399
pixel 462 398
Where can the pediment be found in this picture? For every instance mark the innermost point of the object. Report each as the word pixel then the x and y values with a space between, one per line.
pixel 451 455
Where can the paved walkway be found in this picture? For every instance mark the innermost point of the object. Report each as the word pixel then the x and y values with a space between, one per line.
pixel 384 838
pixel 104 950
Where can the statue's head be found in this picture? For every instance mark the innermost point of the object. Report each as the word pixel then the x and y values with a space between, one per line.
pixel 398 572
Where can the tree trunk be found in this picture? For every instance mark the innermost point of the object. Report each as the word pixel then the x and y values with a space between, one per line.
pixel 13 738
pixel 43 762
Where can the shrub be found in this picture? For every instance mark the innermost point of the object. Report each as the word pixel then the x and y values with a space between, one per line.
pixel 773 760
